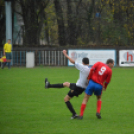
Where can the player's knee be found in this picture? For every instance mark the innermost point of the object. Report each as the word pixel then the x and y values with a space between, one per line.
pixel 86 97
pixel 98 98
pixel 66 84
pixel 65 99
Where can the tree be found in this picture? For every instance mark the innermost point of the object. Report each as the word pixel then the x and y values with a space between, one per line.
pixel 60 21
pixel 76 22
pixel 32 12
pixel 71 23
pixel 2 23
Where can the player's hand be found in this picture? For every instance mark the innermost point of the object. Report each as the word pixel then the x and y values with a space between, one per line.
pixel 64 52
pixel 104 89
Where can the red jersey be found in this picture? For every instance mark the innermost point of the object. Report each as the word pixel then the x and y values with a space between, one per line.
pixel 101 73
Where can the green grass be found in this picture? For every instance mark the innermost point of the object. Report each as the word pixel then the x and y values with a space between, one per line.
pixel 26 107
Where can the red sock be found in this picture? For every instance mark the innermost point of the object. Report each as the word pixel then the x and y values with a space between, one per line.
pixel 83 106
pixel 99 106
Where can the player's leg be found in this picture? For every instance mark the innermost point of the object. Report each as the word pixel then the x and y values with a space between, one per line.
pixel 88 93
pixel 48 85
pixel 66 84
pixel 98 93
pixel 83 105
pixel 99 102
pixel 69 106
pixel 73 92
pixel 9 60
pixel 9 64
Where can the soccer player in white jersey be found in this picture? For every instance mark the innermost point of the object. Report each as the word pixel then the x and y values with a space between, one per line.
pixel 75 88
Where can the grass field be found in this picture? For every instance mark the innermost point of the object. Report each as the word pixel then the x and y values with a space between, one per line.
pixel 26 107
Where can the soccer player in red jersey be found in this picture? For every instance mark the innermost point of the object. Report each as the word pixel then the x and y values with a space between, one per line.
pixel 99 77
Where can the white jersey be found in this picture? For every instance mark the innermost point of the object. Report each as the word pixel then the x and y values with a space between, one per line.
pixel 84 72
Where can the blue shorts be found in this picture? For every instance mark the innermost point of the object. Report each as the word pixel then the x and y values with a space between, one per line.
pixel 93 88
pixel 8 56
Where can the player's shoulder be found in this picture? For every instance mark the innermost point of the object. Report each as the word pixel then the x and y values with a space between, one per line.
pixel 8 44
pixel 82 66
pixel 87 67
pixel 100 64
pixel 5 45
pixel 78 65
pixel 104 64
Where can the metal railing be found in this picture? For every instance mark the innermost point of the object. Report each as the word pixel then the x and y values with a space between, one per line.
pixel 46 58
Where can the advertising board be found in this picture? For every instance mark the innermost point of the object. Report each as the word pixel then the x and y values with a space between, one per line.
pixel 93 55
pixel 126 58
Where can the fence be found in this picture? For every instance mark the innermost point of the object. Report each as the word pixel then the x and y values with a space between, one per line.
pixel 46 58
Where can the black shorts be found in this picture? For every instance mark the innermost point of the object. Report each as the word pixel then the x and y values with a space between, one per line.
pixel 75 90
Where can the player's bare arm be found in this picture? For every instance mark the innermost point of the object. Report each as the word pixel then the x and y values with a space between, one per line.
pixel 70 59
pixel 104 89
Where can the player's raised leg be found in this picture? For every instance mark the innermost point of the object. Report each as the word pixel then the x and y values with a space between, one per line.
pixel 66 98
pixel 48 85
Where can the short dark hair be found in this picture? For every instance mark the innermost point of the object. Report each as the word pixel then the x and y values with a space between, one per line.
pixel 85 60
pixel 110 61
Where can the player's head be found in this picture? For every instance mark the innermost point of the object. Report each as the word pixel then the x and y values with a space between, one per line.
pixel 85 61
pixel 9 41
pixel 110 63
